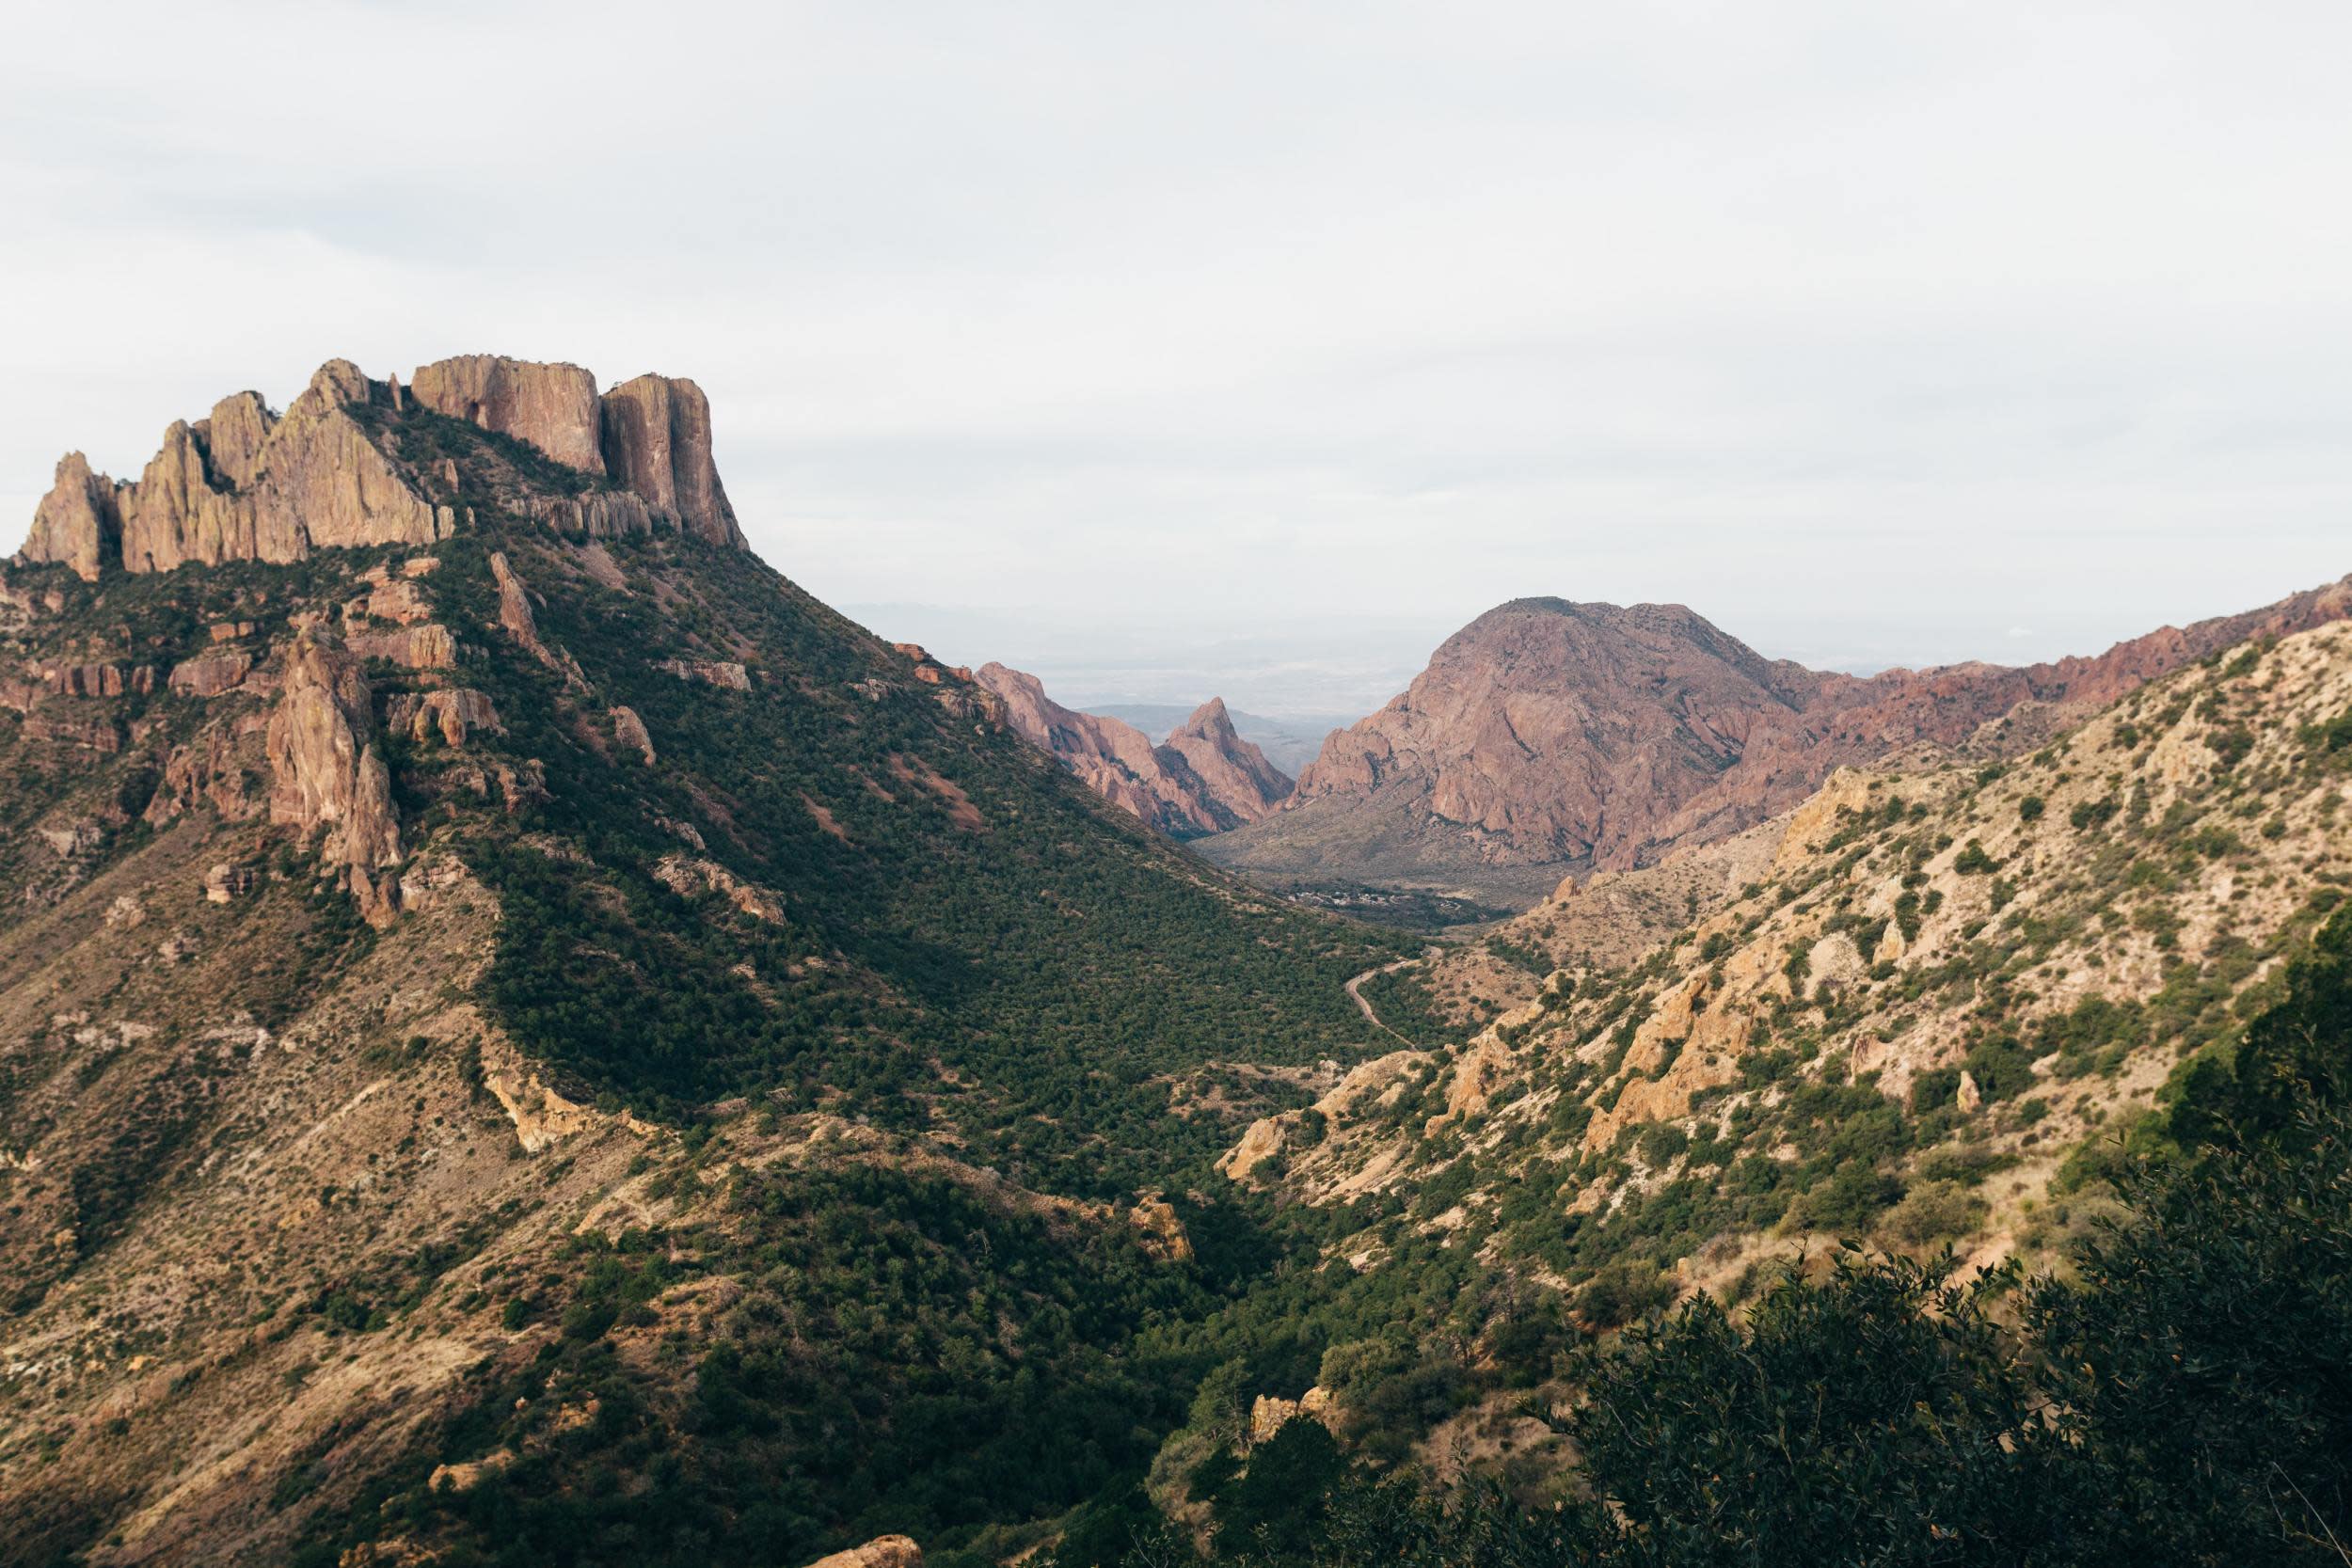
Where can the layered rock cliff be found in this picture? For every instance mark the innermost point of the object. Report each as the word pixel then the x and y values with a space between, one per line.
pixel 1549 737
pixel 244 484
pixel 1203 779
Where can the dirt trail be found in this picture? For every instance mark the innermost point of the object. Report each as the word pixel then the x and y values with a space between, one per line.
pixel 1356 995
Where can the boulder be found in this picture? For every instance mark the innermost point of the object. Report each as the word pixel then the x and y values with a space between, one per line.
pixel 210 674
pixel 629 729
pixel 884 1551
pixel 226 881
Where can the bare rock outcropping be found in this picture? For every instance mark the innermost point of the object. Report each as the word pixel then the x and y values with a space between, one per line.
pixel 326 770
pixel 241 484
pixel 651 436
pixel 77 523
pixel 657 442
pixel 1549 737
pixel 884 1551
pixel 244 484
pixel 1205 779
pixel 551 407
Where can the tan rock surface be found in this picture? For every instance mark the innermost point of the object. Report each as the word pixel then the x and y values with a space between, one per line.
pixel 554 407
pixel 77 523
pixel 326 770
pixel 657 442
pixel 886 1551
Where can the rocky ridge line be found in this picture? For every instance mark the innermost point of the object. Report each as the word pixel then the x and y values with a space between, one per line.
pixel 1203 779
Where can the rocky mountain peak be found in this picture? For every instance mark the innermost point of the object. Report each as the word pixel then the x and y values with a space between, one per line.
pixel 1551 737
pixel 552 407
pixel 1205 779
pixel 244 484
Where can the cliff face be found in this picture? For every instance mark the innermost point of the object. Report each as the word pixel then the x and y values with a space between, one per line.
pixel 650 436
pixel 244 484
pixel 1549 739
pixel 1205 779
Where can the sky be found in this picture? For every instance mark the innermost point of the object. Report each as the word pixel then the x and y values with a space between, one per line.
pixel 1253 347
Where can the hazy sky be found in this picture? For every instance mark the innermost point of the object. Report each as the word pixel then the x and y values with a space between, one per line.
pixel 1286 336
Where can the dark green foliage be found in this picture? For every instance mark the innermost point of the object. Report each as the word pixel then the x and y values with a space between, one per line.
pixel 2185 1398
pixel 2299 1050
pixel 907 1355
pixel 1277 1506
pixel 1974 861
pixel 965 931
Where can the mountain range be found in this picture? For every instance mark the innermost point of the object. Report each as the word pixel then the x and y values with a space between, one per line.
pixel 526 1039
pixel 1548 739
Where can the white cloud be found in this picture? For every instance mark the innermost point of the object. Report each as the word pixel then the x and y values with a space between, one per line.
pixel 1874 333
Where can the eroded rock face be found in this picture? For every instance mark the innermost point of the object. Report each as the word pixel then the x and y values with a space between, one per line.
pixel 246 485
pixel 1204 780
pixel 76 523
pixel 553 408
pixel 241 484
pixel 452 714
pixel 629 729
pixel 211 674
pixel 886 1551
pixel 326 770
pixel 657 442
pixel 725 673
pixel 1235 775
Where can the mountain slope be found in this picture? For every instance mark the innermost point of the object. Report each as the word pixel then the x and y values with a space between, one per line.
pixel 1205 778
pixel 1549 739
pixel 1913 1007
pixel 538 994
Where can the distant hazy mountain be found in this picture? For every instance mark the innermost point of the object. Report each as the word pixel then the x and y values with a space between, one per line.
pixel 1201 778
pixel 1290 744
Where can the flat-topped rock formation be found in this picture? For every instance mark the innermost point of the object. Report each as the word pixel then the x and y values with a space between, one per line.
pixel 246 483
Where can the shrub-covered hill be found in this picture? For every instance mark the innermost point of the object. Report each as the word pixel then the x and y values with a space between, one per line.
pixel 1949 1006
pixel 1926 1003
pixel 542 995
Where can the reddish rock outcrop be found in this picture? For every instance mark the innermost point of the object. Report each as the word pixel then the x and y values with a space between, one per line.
pixel 246 485
pixel 326 769
pixel 241 484
pixel 1232 772
pixel 657 442
pixel 77 522
pixel 1205 779
pixel 1568 738
pixel 554 407
pixel 629 729
pixel 723 673
pixel 210 674
pixel 452 714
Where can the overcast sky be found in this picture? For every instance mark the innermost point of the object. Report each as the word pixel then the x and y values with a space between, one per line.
pixel 1258 344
